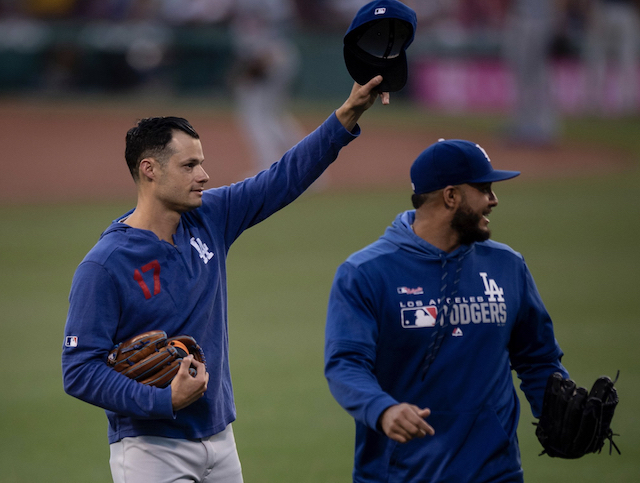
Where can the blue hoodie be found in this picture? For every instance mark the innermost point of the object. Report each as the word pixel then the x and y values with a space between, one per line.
pixel 383 317
pixel 132 282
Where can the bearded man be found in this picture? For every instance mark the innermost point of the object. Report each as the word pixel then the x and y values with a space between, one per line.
pixel 425 325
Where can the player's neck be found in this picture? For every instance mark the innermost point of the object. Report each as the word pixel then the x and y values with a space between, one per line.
pixel 437 232
pixel 162 222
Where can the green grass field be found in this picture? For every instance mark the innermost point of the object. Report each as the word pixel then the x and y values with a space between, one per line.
pixel 579 238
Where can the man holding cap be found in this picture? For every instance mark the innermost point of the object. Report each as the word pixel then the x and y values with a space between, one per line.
pixel 425 325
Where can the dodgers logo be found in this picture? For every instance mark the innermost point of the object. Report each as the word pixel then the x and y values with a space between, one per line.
pixel 417 317
pixel 483 152
pixel 202 249
pixel 491 289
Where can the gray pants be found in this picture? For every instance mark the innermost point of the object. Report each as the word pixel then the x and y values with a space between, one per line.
pixel 152 459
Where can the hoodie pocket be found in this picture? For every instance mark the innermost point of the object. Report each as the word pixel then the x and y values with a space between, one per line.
pixel 467 446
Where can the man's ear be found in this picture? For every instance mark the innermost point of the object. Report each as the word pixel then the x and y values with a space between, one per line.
pixel 451 197
pixel 146 169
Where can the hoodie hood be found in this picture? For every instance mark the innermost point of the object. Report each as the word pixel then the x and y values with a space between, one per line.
pixel 118 224
pixel 402 235
pixel 120 227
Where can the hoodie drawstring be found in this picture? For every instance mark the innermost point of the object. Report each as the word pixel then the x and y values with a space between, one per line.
pixel 444 307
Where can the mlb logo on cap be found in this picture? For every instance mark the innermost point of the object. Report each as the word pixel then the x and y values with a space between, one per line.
pixel 376 43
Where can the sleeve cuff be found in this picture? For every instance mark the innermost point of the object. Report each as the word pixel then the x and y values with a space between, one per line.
pixel 163 403
pixel 376 409
pixel 341 133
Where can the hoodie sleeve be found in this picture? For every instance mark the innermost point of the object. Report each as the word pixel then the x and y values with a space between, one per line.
pixel 534 351
pixel 253 200
pixel 350 348
pixel 92 320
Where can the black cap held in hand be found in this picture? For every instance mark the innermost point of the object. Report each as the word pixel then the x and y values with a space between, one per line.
pixel 376 43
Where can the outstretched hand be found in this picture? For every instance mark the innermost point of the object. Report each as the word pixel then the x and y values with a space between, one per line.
pixel 404 422
pixel 360 99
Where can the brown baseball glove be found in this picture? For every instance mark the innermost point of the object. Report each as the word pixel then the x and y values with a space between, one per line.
pixel 152 358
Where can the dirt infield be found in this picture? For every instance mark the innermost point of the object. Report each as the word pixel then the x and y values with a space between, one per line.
pixel 55 152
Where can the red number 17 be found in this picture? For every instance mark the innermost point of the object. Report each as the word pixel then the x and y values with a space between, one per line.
pixel 137 276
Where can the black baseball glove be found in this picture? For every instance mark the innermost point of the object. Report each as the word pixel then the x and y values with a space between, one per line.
pixel 575 422
pixel 153 359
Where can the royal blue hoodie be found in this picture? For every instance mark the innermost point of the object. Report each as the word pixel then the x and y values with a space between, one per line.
pixel 382 319
pixel 131 282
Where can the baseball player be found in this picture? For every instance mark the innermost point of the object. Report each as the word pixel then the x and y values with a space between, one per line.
pixel 161 266
pixel 425 325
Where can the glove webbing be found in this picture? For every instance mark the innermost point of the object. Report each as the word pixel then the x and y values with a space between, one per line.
pixel 439 332
pixel 610 434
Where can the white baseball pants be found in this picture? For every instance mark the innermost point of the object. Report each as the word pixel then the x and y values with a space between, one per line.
pixel 152 459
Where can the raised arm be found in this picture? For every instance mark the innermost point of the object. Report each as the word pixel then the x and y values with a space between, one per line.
pixel 360 99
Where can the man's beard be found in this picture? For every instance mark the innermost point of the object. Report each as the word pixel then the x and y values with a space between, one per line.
pixel 467 224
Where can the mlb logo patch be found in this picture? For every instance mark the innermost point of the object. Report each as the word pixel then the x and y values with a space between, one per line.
pixel 380 11
pixel 417 317
pixel 71 341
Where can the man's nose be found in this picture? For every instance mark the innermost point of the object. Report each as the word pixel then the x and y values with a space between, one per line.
pixel 203 177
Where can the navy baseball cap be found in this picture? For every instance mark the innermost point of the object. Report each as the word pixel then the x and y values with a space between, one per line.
pixel 453 162
pixel 376 43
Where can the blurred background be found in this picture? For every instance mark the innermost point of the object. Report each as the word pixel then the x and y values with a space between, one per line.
pixel 548 87
pixel 468 55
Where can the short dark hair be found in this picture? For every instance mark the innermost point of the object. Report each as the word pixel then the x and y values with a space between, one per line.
pixel 418 200
pixel 149 138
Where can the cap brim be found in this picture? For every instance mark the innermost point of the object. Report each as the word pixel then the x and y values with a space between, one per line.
pixel 363 67
pixel 496 175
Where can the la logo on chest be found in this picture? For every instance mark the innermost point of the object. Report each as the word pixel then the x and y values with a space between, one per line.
pixel 202 249
pixel 491 289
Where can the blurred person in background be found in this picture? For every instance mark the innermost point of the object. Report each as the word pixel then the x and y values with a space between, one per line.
pixel 265 68
pixel 529 32
pixel 613 33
